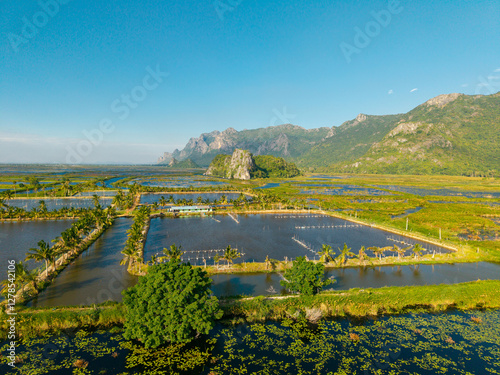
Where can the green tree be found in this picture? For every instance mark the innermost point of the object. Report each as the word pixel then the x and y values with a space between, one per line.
pixel 379 251
pixel 362 256
pixel 230 254
pixel 43 253
pixel 171 304
pixel 345 254
pixel 400 250
pixel 418 250
pixel 130 257
pixel 326 254
pixel 271 263
pixel 305 277
pixel 174 252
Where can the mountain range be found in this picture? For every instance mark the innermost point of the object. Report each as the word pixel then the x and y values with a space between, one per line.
pixel 453 134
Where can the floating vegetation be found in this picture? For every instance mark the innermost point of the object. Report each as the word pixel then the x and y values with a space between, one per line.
pixel 413 344
pixel 448 343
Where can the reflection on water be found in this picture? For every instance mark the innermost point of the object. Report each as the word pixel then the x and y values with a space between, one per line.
pixel 152 198
pixel 441 192
pixel 342 190
pixel 258 236
pixel 378 277
pixel 96 276
pixel 176 182
pixel 58 203
pixel 16 238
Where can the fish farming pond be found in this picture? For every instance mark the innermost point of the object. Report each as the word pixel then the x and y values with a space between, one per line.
pixel 261 235
pixel 17 237
pixel 53 204
pixel 97 276
pixel 152 198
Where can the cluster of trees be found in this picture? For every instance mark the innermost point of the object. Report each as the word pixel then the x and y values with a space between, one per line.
pixel 268 200
pixel 229 256
pixel 124 201
pixel 190 202
pixel 63 246
pixel 327 254
pixel 305 277
pixel 132 253
pixel 268 166
pixel 62 188
pixel 41 211
pixel 171 304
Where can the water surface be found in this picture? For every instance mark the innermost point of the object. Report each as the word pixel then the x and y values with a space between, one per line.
pixel 17 237
pixel 258 236
pixel 94 277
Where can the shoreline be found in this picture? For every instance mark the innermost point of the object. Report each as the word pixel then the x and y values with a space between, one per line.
pixel 353 303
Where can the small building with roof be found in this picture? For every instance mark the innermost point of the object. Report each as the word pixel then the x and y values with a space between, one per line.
pixel 190 209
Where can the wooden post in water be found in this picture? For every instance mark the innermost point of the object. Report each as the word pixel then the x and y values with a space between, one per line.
pixel 439 234
pixel 406 223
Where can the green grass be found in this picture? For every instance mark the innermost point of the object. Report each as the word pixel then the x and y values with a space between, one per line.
pixel 371 302
pixel 354 303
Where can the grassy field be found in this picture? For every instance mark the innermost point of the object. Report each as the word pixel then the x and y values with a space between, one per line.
pixel 357 303
pixel 467 223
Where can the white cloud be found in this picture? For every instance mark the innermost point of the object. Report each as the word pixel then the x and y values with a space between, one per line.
pixel 465 85
pixel 492 77
pixel 497 70
pixel 391 92
pixel 414 90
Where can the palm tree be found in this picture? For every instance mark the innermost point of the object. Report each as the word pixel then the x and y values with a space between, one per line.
pixel 129 257
pixel 379 251
pixel 32 277
pixel 217 259
pixel 326 254
pixel 162 201
pixel 118 200
pixel 362 256
pixel 345 254
pixel 400 251
pixel 66 185
pixel 8 195
pixel 20 271
pixel 95 199
pixel 42 207
pixel 153 260
pixel 230 254
pixel 174 253
pixel 43 252
pixel 417 250
pixel 270 263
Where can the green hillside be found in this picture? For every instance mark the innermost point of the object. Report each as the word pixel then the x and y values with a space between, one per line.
pixel 268 166
pixel 350 141
pixel 458 136
pixel 451 134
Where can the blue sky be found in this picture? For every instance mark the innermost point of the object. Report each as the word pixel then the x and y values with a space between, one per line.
pixel 251 64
